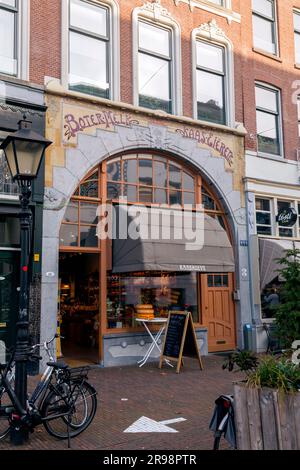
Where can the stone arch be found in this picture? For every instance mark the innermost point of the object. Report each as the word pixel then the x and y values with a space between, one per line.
pixel 91 150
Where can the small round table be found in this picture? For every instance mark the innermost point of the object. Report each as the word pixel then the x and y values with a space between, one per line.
pixel 156 321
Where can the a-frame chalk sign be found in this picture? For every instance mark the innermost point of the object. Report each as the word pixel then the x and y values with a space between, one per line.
pixel 180 340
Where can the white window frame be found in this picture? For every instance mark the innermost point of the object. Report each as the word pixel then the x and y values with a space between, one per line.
pixel 23 28
pixel 212 34
pixel 274 211
pixel 155 14
pixel 296 31
pixel 280 121
pixel 224 11
pixel 272 215
pixel 254 13
pixel 114 54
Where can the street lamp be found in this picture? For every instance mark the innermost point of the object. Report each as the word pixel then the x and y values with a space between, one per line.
pixel 24 151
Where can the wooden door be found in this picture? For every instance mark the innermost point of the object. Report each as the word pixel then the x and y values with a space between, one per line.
pixel 218 311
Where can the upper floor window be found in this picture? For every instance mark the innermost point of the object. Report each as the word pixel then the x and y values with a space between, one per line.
pixel 89 48
pixel 211 76
pixel 263 216
pixel 218 2
pixel 155 67
pixel 268 120
pixel 9 37
pixel 264 25
pixel 297 35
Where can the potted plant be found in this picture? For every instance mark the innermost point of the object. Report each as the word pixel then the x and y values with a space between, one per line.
pixel 267 402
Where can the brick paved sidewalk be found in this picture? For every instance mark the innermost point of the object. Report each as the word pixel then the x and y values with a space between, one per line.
pixel 157 394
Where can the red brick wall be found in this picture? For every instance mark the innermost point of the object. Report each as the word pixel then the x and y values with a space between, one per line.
pixel 279 73
pixel 45 57
pixel 45 40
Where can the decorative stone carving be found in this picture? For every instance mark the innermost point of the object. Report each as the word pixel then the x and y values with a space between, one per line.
pixel 53 200
pixel 211 29
pixel 156 9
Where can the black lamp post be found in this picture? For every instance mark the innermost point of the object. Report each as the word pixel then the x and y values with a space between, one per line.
pixel 24 151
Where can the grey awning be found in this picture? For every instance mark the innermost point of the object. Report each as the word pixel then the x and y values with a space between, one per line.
pixel 269 252
pixel 215 255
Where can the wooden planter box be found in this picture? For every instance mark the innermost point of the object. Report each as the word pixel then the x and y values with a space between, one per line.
pixel 266 419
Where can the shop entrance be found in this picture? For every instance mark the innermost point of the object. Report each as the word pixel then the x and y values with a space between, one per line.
pixel 9 282
pixel 218 311
pixel 79 307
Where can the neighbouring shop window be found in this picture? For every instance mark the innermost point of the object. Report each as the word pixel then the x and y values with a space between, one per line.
pixel 263 216
pixel 149 179
pixel 297 35
pixel 9 231
pixel 79 303
pixel 264 25
pixel 6 184
pixel 211 76
pixel 285 231
pixel 136 294
pixel 268 120
pixel 89 48
pixel 270 298
pixel 154 66
pixel 9 37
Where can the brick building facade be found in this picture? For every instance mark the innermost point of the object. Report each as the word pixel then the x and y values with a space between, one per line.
pixel 223 70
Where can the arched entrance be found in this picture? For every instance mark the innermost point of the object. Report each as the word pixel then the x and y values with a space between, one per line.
pixel 95 300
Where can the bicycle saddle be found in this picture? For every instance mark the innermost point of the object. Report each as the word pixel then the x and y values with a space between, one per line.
pixel 58 365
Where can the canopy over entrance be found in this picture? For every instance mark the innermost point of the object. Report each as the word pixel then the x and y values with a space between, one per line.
pixel 212 253
pixel 270 252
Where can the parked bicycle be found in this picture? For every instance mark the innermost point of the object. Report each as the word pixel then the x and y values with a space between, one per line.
pixel 222 423
pixel 63 400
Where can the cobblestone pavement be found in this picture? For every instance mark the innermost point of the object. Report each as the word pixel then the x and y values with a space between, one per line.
pixel 128 393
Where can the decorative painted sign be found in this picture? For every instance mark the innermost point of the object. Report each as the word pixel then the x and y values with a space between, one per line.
pixel 211 140
pixel 287 217
pixel 102 119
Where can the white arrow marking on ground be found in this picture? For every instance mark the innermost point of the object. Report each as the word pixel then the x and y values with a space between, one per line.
pixel 145 424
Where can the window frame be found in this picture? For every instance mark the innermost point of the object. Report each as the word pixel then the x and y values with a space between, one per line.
pixel 271 212
pixel 217 73
pixel 279 122
pixel 211 34
pixel 170 60
pixel 275 232
pixel 274 23
pixel 296 33
pixel 113 46
pixel 21 38
pixel 158 16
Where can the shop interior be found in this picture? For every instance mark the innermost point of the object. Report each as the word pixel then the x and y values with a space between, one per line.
pixel 79 306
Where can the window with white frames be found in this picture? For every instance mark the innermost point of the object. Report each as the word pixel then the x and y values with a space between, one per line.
pixel 297 35
pixel 264 25
pixel 9 37
pixel 211 76
pixel 268 120
pixel 263 216
pixel 267 210
pixel 89 48
pixel 155 67
pixel 218 2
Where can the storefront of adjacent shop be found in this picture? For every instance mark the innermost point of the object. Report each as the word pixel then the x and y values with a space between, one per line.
pixel 17 100
pixel 125 157
pixel 274 227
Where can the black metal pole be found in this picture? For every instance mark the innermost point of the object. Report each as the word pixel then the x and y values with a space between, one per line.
pixel 19 435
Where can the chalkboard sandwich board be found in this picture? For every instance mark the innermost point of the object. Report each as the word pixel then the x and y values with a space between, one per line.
pixel 180 339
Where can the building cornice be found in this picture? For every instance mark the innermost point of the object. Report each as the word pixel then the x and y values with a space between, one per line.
pixel 54 88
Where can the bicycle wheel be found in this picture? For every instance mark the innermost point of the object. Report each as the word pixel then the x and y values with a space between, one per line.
pixel 5 403
pixel 78 404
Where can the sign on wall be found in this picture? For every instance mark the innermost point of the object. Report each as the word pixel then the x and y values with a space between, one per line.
pixel 287 217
